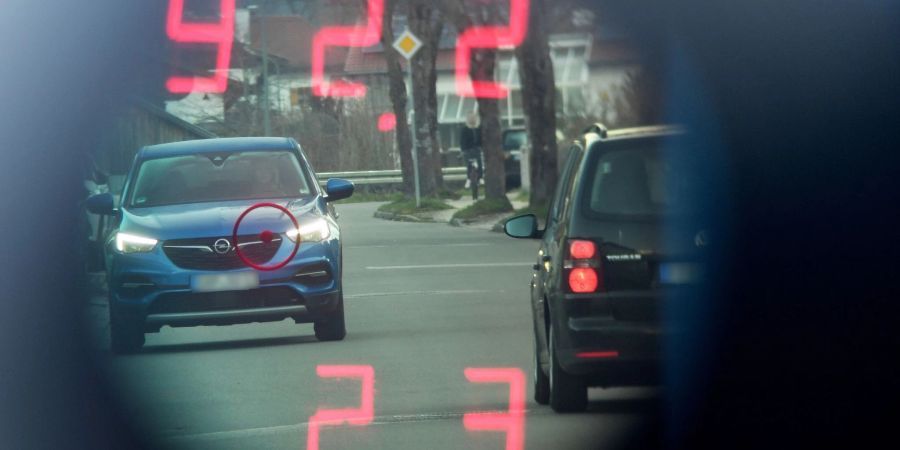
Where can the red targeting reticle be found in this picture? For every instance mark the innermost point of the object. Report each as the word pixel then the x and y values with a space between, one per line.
pixel 344 36
pixel 511 422
pixel 352 416
pixel 220 33
pixel 387 122
pixel 489 37
pixel 265 236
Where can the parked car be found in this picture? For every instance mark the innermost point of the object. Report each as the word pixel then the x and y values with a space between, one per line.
pixel 605 262
pixel 514 142
pixel 178 256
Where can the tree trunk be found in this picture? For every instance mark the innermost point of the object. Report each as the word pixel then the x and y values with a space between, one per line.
pixel 397 92
pixel 425 23
pixel 483 65
pixel 539 103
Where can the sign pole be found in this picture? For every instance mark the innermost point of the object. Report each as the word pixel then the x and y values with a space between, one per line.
pixel 407 44
pixel 412 129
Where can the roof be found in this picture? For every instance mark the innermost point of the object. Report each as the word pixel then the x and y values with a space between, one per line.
pixel 290 38
pixel 239 144
pixel 172 119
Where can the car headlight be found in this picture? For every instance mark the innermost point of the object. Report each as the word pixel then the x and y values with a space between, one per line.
pixel 314 231
pixel 129 243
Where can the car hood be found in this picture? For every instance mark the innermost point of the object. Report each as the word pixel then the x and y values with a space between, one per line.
pixel 215 218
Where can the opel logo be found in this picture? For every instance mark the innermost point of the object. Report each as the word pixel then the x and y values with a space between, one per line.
pixel 700 240
pixel 222 246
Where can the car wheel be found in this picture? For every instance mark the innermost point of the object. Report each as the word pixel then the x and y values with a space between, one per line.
pixel 568 393
pixel 126 334
pixel 332 327
pixel 541 381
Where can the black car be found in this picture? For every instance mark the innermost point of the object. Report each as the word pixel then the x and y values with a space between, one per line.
pixel 604 262
pixel 514 142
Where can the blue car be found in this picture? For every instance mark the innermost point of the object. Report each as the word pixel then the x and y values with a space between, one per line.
pixel 219 232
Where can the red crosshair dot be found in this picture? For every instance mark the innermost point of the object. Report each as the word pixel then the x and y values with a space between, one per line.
pixel 387 122
pixel 265 234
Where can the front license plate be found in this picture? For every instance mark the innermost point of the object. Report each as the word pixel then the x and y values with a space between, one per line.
pixel 235 281
pixel 679 273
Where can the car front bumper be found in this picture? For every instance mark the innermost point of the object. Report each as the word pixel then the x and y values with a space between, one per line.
pixel 149 287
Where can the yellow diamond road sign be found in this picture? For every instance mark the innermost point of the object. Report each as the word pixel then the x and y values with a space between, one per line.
pixel 407 44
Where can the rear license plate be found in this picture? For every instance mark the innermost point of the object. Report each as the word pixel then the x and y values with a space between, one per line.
pixel 234 281
pixel 679 273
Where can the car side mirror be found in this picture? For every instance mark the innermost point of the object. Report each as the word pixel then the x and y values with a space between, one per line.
pixel 523 227
pixel 338 189
pixel 101 204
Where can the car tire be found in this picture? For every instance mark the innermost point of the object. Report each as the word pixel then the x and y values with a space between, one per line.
pixel 568 393
pixel 541 380
pixel 332 328
pixel 126 334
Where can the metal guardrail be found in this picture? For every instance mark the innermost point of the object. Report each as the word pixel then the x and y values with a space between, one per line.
pixel 367 177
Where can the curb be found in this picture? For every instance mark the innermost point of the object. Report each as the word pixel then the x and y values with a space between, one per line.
pixel 401 217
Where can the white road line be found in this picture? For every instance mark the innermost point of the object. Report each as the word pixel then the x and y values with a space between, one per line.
pixel 397 245
pixel 449 292
pixel 262 431
pixel 450 266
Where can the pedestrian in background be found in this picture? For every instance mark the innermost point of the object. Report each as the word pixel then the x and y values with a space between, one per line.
pixel 470 143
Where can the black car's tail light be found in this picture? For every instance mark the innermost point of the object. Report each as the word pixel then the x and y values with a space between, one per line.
pixel 583 271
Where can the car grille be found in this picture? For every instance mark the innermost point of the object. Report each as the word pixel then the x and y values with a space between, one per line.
pixel 201 254
pixel 184 302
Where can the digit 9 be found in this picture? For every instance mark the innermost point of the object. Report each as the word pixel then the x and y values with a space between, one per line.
pixel 220 33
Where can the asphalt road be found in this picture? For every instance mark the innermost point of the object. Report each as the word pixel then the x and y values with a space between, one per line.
pixel 423 302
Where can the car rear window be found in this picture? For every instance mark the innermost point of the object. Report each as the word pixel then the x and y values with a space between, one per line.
pixel 635 180
pixel 514 140
pixel 219 177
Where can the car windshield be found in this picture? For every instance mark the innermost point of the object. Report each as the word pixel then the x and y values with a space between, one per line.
pixel 514 140
pixel 637 181
pixel 215 177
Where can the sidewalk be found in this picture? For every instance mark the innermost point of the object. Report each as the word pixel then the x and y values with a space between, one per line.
pixel 487 222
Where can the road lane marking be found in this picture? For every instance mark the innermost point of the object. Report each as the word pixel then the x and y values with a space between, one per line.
pixel 378 420
pixel 447 292
pixel 462 244
pixel 450 266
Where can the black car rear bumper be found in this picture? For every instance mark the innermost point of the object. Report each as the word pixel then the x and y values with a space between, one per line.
pixel 613 338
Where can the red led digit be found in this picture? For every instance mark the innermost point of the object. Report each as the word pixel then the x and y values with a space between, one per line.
pixel 221 33
pixel 488 37
pixel 344 37
pixel 512 422
pixel 352 416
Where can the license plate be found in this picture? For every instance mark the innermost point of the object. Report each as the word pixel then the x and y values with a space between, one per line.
pixel 679 273
pixel 235 281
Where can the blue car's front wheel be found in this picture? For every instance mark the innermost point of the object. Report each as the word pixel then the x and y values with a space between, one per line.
pixel 331 326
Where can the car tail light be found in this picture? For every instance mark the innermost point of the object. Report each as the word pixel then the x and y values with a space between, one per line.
pixel 583 279
pixel 583 264
pixel 579 249
pixel 603 354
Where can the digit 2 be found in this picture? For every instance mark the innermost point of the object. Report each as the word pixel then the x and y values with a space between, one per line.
pixel 343 36
pixel 489 37
pixel 352 416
